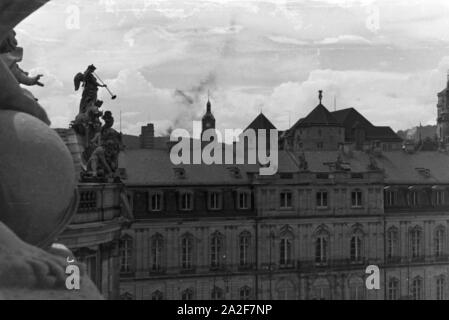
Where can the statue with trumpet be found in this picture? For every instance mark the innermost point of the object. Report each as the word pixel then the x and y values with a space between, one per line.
pixel 99 157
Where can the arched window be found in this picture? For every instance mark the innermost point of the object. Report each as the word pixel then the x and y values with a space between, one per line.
pixel 285 251
pixel 217 293
pixel 393 289
pixel 321 289
pixel 245 293
pixel 286 291
pixel 417 288
pixel 321 245
pixel 157 295
pixel 187 294
pixel 441 288
pixel 186 252
pixel 416 241
pixel 439 241
pixel 244 245
pixel 126 250
pixel 357 288
pixel 216 250
pixel 157 245
pixel 321 249
pixel 356 248
pixel 392 243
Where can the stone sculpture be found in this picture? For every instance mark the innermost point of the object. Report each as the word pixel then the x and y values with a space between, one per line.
pixel 38 194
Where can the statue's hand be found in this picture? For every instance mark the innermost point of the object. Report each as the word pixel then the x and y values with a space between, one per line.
pixel 36 80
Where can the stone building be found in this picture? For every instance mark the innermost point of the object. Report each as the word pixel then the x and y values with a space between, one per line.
pixel 336 205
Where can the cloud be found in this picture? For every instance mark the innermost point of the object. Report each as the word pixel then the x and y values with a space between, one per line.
pixel 344 39
pixel 252 56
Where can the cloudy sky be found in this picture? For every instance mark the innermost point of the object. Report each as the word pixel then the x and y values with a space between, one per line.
pixel 388 59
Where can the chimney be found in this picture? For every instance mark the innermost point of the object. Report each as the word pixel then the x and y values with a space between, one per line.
pixel 147 136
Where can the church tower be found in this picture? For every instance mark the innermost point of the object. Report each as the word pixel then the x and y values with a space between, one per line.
pixel 443 115
pixel 208 121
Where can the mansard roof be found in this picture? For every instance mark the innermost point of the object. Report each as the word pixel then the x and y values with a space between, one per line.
pixel 154 167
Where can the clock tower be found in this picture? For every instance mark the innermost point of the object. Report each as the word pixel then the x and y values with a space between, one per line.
pixel 208 121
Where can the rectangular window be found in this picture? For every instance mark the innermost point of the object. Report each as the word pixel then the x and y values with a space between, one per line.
pixel 286 200
pixel 243 200
pixel 321 199
pixel 88 201
pixel 413 198
pixel 214 201
pixel 319 145
pixel 439 197
pixel 186 201
pixel 356 199
pixel 390 197
pixel 156 202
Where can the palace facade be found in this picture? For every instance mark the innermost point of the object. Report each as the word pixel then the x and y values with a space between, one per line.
pixel 347 195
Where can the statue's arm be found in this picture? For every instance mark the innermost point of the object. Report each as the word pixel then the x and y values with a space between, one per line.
pixel 23 77
pixel 12 97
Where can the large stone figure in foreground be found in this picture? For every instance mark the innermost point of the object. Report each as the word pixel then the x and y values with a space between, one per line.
pixel 37 187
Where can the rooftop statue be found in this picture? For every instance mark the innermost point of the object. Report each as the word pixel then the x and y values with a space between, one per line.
pixel 102 144
pixel 106 146
pixel 38 195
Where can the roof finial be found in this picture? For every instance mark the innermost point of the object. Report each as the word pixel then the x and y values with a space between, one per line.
pixel 320 95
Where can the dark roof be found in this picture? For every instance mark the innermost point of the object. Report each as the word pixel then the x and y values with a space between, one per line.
pixel 154 167
pixel 382 133
pixel 348 117
pixel 319 116
pixel 261 122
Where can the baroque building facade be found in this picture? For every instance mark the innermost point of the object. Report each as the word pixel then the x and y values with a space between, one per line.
pixel 339 202
pixel 94 233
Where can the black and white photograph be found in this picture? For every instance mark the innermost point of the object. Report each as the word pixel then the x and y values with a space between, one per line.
pixel 233 153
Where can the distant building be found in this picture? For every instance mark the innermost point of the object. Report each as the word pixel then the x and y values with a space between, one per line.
pixel 443 115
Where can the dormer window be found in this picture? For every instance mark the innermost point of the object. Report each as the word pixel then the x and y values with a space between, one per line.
pixel 214 200
pixel 180 173
pixel 186 201
pixel 156 199
pixel 438 197
pixel 243 200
